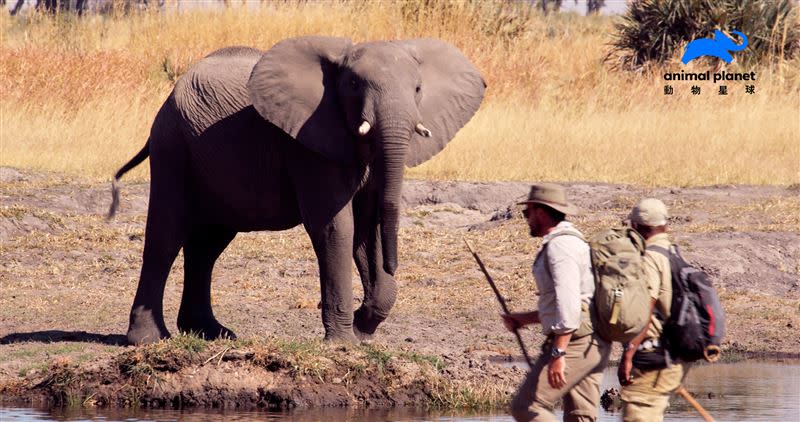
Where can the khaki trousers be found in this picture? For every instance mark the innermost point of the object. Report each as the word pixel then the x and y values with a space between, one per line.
pixel 647 397
pixel 586 359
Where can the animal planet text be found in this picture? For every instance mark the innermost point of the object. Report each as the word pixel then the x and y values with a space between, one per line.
pixel 706 76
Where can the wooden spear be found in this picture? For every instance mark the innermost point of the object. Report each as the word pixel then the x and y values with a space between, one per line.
pixel 499 299
pixel 688 397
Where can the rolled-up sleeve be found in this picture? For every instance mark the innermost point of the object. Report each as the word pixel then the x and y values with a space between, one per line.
pixel 563 261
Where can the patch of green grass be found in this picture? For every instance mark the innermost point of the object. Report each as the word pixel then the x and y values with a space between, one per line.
pixel 379 357
pixel 63 349
pixel 419 358
pixel 134 363
pixel 299 357
pixel 55 349
pixel 235 344
pixel 138 369
pixel 85 357
pixel 189 342
pixel 25 370
pixel 18 354
pixel 169 355
pixel 355 370
pixel 299 348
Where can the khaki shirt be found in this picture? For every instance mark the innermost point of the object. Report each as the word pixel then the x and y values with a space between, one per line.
pixel 659 281
pixel 563 273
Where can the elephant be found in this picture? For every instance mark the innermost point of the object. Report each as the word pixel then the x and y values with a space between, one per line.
pixel 719 47
pixel 315 130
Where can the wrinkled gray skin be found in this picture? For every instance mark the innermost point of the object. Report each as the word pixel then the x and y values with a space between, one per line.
pixel 251 140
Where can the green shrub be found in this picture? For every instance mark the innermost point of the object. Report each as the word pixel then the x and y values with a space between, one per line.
pixel 652 30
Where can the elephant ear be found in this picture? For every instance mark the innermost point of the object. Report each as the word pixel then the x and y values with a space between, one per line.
pixel 452 91
pixel 294 87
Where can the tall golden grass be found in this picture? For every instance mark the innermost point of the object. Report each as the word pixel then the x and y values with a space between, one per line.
pixel 79 95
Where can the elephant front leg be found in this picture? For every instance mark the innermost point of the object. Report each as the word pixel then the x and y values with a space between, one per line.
pixel 380 287
pixel 333 244
pixel 380 292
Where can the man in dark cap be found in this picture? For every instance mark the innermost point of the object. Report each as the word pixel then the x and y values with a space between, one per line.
pixel 573 356
pixel 646 390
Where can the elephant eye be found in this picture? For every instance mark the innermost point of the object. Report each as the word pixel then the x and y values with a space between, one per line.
pixel 419 88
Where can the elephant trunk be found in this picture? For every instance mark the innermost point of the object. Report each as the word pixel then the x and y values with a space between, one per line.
pixel 739 47
pixel 395 145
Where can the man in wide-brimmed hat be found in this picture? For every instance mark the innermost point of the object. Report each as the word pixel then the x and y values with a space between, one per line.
pixel 573 357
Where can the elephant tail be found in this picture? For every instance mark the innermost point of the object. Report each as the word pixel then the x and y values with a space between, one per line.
pixel 135 161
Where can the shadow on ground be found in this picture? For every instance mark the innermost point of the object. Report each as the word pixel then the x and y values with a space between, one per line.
pixel 56 336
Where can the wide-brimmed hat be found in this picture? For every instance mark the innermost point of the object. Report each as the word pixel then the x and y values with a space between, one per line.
pixel 551 195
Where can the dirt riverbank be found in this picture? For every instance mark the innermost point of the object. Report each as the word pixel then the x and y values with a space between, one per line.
pixel 67 279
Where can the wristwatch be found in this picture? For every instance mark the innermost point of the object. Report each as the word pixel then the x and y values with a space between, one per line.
pixel 556 353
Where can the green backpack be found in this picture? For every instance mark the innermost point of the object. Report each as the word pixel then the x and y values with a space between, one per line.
pixel 621 297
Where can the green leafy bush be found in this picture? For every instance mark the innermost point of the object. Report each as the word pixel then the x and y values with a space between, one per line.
pixel 652 30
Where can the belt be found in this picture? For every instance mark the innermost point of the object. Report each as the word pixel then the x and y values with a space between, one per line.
pixel 649 344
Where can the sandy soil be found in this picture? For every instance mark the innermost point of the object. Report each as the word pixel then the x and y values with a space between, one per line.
pixel 67 279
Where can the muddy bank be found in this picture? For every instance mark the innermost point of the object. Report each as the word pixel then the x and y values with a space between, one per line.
pixel 270 374
pixel 67 279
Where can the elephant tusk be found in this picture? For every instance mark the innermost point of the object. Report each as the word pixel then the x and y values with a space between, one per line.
pixel 422 130
pixel 364 128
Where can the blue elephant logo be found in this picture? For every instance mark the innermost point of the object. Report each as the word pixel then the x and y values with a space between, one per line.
pixel 719 47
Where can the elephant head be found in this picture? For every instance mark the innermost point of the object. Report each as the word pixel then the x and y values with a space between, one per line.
pixel 727 43
pixel 404 99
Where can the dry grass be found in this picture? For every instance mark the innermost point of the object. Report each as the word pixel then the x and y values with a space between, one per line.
pixel 78 96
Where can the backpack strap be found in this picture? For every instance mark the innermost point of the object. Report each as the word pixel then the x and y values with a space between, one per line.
pixel 586 326
pixel 674 247
pixel 665 252
pixel 567 233
pixel 543 252
pixel 659 249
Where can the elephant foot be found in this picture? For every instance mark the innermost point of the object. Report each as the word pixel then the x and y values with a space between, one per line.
pixel 341 338
pixel 365 322
pixel 208 329
pixel 139 333
pixel 362 336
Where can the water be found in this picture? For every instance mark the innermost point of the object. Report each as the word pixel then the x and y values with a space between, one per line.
pixel 751 391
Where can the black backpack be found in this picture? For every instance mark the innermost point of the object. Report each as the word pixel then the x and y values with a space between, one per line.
pixel 696 323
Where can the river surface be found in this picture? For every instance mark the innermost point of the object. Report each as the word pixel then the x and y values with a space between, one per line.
pixel 750 391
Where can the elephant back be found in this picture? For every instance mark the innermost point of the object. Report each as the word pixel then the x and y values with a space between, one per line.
pixel 215 88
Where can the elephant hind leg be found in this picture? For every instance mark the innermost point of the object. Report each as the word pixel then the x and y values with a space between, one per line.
pixel 165 234
pixel 203 246
pixel 163 241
